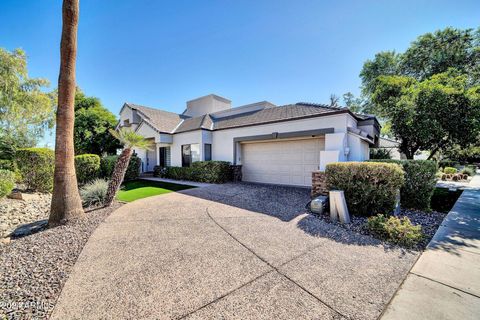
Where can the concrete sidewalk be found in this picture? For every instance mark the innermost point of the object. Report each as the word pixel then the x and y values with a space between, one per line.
pixel 445 281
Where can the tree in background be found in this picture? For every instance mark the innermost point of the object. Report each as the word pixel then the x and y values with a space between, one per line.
pixel 434 114
pixel 66 202
pixel 25 110
pixel 92 124
pixel 428 95
pixel 129 140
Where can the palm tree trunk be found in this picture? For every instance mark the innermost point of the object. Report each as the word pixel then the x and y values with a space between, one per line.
pixel 121 166
pixel 66 202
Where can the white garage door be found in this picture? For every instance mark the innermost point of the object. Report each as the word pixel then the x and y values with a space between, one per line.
pixel 281 162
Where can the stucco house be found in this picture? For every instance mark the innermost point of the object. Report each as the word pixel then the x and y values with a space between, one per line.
pixel 274 144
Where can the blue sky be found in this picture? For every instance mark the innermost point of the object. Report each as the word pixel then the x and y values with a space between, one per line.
pixel 163 53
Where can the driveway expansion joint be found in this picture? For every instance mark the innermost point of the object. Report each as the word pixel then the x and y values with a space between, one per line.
pixel 274 268
pixel 444 284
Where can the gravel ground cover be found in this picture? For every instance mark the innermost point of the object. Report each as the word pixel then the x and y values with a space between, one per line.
pixel 430 221
pixel 33 207
pixel 33 269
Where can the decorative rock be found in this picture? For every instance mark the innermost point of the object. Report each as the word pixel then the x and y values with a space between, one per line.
pixel 16 195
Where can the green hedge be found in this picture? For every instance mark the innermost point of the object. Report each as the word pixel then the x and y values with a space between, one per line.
pixel 107 164
pixel 370 188
pixel 87 167
pixel 7 165
pixel 7 182
pixel 200 171
pixel 36 166
pixel 420 181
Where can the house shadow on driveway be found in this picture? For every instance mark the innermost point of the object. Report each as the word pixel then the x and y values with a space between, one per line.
pixel 282 202
pixel 285 203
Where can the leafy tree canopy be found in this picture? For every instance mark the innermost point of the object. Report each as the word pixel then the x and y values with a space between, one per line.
pixel 428 95
pixel 26 111
pixel 433 114
pixel 92 124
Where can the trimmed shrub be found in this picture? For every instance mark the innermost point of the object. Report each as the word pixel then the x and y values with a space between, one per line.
pixel 107 164
pixel 36 166
pixel 213 171
pixel 7 182
pixel 370 188
pixel 94 192
pixel 420 181
pixel 159 171
pixel 450 170
pixel 87 167
pixel 133 169
pixel 400 231
pixel 200 171
pixel 7 165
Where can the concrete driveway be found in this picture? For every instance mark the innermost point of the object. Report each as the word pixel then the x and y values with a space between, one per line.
pixel 233 251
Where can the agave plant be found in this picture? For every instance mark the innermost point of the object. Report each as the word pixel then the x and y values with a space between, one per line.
pixel 129 140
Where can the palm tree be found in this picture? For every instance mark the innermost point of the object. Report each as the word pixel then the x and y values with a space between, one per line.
pixel 66 202
pixel 129 140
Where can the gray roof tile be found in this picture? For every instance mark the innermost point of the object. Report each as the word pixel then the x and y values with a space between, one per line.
pixel 163 121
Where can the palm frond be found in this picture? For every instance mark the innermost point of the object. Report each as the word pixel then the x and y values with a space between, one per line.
pixel 130 139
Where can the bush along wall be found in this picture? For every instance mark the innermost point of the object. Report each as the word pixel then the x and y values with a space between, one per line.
pixel 369 188
pixel 200 171
pixel 420 181
pixel 107 164
pixel 7 182
pixel 87 167
pixel 36 166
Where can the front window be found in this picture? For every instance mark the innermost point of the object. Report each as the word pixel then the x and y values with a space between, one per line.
pixel 208 152
pixel 190 153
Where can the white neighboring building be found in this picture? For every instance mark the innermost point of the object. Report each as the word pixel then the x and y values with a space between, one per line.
pixel 274 144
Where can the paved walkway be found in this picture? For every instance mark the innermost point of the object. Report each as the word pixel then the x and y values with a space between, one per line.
pixel 233 251
pixel 445 281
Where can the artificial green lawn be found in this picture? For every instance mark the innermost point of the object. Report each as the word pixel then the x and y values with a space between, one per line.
pixel 138 189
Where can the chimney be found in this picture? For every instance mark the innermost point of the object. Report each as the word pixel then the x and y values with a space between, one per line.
pixel 207 104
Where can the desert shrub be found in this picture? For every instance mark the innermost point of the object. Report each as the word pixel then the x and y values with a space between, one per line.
pixel 420 181
pixel 107 164
pixel 201 171
pixel 450 170
pixel 380 153
pixel 370 188
pixel 468 171
pixel 94 192
pixel 36 166
pixel 7 182
pixel 400 231
pixel 87 167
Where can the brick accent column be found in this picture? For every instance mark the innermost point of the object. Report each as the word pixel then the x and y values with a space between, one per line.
pixel 236 173
pixel 319 183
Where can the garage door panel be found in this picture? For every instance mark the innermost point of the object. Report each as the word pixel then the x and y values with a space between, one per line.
pixel 282 162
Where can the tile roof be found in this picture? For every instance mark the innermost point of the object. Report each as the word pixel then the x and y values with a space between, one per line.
pixel 163 121
pixel 201 122
pixel 171 122
pixel 280 113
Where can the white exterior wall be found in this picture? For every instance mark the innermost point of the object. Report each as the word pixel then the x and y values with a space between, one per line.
pixel 222 146
pixel 180 139
pixel 359 148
